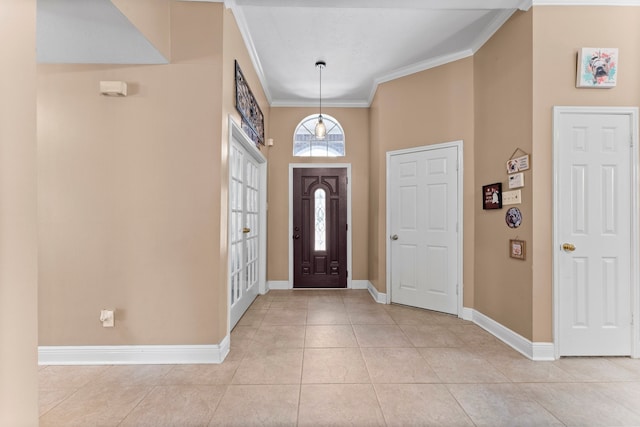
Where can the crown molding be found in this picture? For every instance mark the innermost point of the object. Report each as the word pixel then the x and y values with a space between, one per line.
pixel 586 2
pixel 251 47
pixel 416 68
pixel 493 27
pixel 347 103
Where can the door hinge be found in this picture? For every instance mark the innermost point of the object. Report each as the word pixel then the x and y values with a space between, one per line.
pixel 347 227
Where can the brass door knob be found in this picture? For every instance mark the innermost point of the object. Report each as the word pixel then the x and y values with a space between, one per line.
pixel 246 230
pixel 569 247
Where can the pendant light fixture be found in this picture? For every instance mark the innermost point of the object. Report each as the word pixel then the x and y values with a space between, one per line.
pixel 321 129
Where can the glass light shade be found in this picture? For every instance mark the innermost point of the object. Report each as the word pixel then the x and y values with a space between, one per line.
pixel 321 129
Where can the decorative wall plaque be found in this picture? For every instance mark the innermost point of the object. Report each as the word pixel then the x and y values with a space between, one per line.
pixel 492 196
pixel 247 106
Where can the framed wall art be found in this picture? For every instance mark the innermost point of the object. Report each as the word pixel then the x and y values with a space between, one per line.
pixel 247 106
pixel 517 249
pixel 597 67
pixel 492 196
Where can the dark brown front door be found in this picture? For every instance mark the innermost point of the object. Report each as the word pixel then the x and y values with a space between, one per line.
pixel 319 228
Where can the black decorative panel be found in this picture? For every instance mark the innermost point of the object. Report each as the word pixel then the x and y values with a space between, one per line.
pixel 247 106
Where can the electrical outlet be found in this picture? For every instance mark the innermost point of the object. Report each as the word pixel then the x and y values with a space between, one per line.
pixel 512 197
pixel 107 318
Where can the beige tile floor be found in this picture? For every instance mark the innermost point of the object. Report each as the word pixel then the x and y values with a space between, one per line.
pixel 318 358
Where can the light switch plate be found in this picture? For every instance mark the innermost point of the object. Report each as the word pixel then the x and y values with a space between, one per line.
pixel 512 197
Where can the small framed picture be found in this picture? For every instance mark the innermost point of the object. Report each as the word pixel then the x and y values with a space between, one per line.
pixel 517 249
pixel 492 196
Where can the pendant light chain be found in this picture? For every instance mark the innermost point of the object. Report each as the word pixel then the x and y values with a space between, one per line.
pixel 320 130
pixel 320 66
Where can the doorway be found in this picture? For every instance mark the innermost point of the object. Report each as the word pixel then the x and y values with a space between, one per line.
pixel 320 239
pixel 424 223
pixel 595 231
pixel 247 223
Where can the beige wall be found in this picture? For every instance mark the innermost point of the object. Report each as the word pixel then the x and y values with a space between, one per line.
pixel 133 200
pixel 425 108
pixel 129 190
pixel 355 123
pixel 503 102
pixel 558 33
pixel 152 18
pixel 18 222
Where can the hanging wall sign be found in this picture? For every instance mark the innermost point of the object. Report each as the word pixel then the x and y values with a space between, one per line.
pixel 518 164
pixel 517 249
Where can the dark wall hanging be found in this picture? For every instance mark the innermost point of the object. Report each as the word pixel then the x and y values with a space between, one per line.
pixel 492 196
pixel 247 106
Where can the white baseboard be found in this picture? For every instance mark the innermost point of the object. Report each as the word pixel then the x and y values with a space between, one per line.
pixel 134 354
pixel 532 350
pixel 278 285
pixel 467 313
pixel 360 284
pixel 379 297
pixel 543 351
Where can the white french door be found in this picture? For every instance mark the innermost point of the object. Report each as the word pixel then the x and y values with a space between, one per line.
pixel 594 233
pixel 246 234
pixel 424 220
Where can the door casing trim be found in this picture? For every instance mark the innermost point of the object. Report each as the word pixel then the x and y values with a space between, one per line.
pixel 347 166
pixel 460 214
pixel 632 112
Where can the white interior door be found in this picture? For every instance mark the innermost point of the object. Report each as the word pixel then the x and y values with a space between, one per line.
pixel 593 233
pixel 247 216
pixel 423 211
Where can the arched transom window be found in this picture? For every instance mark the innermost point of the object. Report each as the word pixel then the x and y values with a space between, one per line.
pixel 305 143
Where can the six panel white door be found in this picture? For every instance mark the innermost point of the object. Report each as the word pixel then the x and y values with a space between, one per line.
pixel 593 184
pixel 423 217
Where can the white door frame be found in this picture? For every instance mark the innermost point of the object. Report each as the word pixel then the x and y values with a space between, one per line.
pixel 459 146
pixel 632 112
pixel 237 136
pixel 347 166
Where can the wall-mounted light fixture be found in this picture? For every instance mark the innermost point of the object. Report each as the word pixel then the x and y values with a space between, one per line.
pixel 321 129
pixel 113 88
